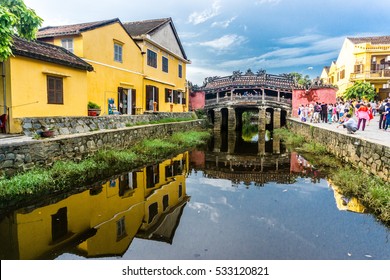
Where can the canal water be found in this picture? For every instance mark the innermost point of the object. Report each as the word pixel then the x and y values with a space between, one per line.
pixel 238 198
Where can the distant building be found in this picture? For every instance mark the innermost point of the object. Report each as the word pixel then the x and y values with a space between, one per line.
pixel 197 99
pixel 361 59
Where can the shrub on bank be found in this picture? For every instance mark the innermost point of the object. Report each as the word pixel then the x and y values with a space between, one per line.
pixel 370 190
pixel 66 175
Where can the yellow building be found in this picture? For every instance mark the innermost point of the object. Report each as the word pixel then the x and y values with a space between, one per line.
pixel 362 59
pixel 117 80
pixel 42 80
pixel 164 64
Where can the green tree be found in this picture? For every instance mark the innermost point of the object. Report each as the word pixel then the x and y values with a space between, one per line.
pixel 360 90
pixel 301 80
pixel 16 19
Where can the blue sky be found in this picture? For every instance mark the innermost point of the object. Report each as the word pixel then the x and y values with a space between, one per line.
pixel 221 36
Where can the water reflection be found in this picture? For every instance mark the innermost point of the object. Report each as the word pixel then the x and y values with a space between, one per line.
pixel 263 200
pixel 230 157
pixel 102 221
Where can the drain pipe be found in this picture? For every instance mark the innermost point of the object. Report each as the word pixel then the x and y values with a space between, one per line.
pixel 4 87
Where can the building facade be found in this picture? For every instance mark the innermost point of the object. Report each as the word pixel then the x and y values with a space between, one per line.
pixel 42 80
pixel 361 59
pixel 116 82
pixel 164 65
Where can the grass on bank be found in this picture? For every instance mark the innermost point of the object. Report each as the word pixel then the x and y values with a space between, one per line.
pixel 369 189
pixel 65 175
pixel 162 121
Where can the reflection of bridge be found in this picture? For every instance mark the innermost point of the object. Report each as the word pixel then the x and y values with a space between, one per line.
pixel 228 97
pixel 229 157
pixel 247 177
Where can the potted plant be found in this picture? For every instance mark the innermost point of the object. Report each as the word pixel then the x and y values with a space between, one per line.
pixel 93 109
pixel 48 132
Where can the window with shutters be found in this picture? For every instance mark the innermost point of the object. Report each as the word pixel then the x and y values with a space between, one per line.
pixel 118 52
pixel 55 92
pixel 180 70
pixel 67 44
pixel 152 58
pixel 165 64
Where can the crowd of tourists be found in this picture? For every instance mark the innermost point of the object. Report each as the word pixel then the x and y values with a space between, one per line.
pixel 351 114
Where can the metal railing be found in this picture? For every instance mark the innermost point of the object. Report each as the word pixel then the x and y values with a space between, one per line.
pixel 384 73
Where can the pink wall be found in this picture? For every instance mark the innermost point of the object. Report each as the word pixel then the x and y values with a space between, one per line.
pixel 197 100
pixel 303 97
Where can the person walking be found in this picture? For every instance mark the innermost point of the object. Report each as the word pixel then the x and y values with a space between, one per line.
pixel 381 113
pixel 387 117
pixel 370 113
pixel 324 112
pixel 362 115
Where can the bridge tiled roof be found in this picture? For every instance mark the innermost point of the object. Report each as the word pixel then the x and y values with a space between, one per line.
pixel 266 80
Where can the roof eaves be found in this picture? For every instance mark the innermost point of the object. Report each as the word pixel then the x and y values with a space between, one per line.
pixel 35 55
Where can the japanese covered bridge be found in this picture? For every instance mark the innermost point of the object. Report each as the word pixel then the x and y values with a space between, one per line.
pixel 226 98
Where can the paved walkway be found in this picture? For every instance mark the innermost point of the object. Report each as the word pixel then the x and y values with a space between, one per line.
pixel 371 133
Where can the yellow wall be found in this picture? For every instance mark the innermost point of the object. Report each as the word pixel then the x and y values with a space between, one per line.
pixel 162 80
pixel 96 47
pixel 27 88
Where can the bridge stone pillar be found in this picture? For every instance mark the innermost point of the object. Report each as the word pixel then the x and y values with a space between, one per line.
pixel 277 116
pixel 261 143
pixel 231 142
pixel 276 145
pixel 262 95
pixel 231 119
pixel 217 119
pixel 217 141
pixel 262 118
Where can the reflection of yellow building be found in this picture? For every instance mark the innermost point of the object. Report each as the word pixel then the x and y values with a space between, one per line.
pixel 165 197
pixel 347 204
pixel 102 221
pixel 361 59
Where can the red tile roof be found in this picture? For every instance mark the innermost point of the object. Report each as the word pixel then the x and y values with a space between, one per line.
pixel 148 27
pixel 49 53
pixel 377 40
pixel 137 28
pixel 74 29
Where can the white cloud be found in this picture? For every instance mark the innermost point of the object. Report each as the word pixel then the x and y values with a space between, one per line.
pixel 224 42
pixel 271 2
pixel 205 208
pixel 316 50
pixel 200 17
pixel 223 24
pixel 197 75
pixel 307 38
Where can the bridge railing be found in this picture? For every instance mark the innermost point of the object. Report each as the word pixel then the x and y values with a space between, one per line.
pixel 245 99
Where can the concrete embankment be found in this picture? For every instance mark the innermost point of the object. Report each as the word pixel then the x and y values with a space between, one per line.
pixel 368 150
pixel 23 153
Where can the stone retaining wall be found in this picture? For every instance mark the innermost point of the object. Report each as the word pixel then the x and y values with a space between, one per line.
pixel 25 155
pixel 370 157
pixel 73 125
